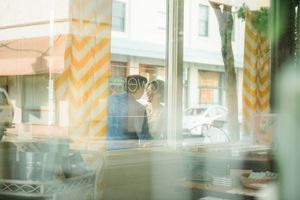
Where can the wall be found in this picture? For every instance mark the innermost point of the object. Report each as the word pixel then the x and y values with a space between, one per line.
pixel 145 19
pixel 143 175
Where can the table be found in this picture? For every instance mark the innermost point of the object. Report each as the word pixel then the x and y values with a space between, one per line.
pixel 199 189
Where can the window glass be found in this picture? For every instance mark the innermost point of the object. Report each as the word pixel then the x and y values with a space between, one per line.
pixel 152 72
pixel 36 99
pixel 162 20
pixel 220 76
pixel 89 91
pixel 234 15
pixel 210 84
pixel 118 18
pixel 136 104
pixel 203 20
pixel 205 72
pixel 118 73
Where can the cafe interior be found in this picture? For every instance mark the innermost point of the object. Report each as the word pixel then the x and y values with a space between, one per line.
pixel 149 99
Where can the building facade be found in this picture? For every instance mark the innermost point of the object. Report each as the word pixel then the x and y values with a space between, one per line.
pixel 138 46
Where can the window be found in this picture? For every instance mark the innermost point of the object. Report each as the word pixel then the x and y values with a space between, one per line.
pixel 118 69
pixel 35 99
pixel 118 16
pixel 162 20
pixel 65 78
pixel 3 100
pixel 152 72
pixel 118 73
pixel 210 84
pixel 234 18
pixel 203 20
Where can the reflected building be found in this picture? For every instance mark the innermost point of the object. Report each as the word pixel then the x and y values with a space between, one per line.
pixel 138 41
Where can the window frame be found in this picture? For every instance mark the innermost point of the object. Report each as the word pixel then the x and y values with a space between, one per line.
pixel 174 67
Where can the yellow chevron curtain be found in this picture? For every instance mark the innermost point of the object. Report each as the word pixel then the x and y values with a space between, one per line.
pixel 84 82
pixel 256 74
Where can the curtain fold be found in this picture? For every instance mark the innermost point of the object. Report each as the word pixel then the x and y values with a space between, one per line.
pixel 84 83
pixel 256 75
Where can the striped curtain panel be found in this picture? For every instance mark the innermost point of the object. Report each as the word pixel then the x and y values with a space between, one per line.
pixel 83 86
pixel 256 75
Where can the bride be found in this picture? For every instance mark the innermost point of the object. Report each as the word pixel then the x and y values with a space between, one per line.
pixel 155 108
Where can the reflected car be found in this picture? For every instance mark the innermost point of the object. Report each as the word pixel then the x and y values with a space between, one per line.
pixel 206 134
pixel 193 117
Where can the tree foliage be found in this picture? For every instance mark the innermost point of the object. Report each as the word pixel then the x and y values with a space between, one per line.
pixel 260 18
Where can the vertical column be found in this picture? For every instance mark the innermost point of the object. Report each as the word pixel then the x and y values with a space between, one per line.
pixel 84 83
pixel 193 86
pixel 175 10
pixel 283 15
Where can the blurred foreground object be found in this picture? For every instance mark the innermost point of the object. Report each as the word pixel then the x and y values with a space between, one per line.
pixel 288 134
pixel 48 172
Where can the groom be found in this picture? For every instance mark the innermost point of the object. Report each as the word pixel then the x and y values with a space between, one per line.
pixel 127 118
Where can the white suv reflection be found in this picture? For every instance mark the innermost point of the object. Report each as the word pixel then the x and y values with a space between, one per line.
pixel 203 115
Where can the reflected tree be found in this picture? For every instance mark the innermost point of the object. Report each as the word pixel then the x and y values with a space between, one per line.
pixel 225 21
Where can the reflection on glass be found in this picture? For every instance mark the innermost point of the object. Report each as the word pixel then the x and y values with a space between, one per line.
pixel 127 118
pixel 156 110
pixel 84 100
pixel 118 18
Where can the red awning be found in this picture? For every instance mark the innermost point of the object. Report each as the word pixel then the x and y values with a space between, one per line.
pixel 32 56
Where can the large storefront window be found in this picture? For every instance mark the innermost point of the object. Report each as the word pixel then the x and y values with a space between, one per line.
pixel 148 99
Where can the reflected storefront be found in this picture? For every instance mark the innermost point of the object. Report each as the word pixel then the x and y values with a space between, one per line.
pixel 146 99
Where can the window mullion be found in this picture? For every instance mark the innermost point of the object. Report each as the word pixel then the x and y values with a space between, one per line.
pixel 174 70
